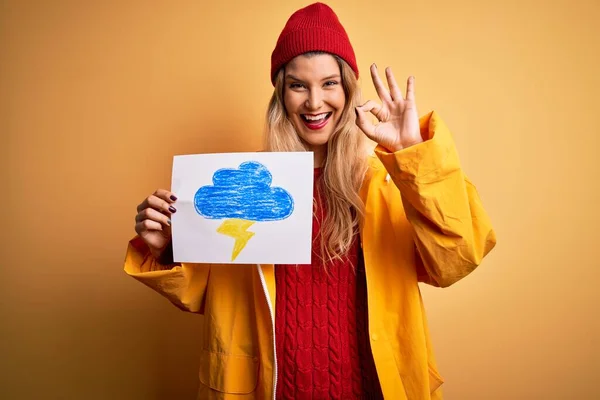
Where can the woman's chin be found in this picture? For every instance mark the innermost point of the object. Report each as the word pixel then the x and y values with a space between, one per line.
pixel 316 139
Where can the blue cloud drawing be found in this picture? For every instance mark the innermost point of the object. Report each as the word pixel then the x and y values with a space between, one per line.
pixel 244 193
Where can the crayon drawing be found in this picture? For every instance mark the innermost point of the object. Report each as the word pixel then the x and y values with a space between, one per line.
pixel 242 197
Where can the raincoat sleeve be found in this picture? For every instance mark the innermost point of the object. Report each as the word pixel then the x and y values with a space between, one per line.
pixel 451 228
pixel 183 284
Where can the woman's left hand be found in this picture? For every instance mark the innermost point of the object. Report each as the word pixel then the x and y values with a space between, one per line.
pixel 398 126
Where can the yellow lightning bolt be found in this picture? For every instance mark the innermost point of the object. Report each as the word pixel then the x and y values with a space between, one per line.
pixel 237 229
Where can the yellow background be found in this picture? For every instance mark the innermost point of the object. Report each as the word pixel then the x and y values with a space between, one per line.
pixel 96 98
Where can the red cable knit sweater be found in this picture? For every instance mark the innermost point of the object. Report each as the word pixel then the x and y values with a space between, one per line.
pixel 321 328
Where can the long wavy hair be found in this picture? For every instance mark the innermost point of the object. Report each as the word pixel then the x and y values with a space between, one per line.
pixel 344 168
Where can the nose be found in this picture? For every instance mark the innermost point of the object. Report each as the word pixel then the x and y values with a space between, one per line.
pixel 314 101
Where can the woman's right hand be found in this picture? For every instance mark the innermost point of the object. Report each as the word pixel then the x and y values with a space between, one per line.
pixel 153 221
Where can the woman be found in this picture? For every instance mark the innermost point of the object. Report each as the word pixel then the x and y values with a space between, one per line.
pixel 351 324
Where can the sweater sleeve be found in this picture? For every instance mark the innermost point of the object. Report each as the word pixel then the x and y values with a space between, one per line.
pixel 452 230
pixel 183 284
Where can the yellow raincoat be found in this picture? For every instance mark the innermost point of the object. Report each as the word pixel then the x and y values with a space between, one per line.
pixel 426 224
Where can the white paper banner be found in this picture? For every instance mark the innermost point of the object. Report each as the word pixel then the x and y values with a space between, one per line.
pixel 243 208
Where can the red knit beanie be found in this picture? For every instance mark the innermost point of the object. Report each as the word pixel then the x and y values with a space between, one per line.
pixel 313 28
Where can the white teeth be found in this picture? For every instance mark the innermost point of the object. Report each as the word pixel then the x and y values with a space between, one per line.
pixel 315 117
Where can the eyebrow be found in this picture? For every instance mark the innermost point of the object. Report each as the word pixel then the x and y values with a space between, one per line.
pixel 290 76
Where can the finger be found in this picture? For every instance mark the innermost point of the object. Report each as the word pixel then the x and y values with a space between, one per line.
pixel 152 214
pixel 382 92
pixel 374 108
pixel 158 204
pixel 410 89
pixel 161 205
pixel 394 89
pixel 166 195
pixel 364 122
pixel 163 194
pixel 148 225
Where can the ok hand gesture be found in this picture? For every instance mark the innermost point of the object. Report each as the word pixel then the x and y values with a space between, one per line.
pixel 398 126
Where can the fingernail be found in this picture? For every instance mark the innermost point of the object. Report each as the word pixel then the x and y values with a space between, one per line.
pixel 169 222
pixel 375 65
pixel 173 197
pixel 172 209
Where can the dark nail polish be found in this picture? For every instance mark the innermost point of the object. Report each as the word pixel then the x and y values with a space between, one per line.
pixel 173 197
pixel 169 222
pixel 172 209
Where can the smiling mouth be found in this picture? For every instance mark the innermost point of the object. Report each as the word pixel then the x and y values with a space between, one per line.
pixel 315 121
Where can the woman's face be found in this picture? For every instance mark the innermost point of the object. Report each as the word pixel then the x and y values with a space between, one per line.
pixel 314 97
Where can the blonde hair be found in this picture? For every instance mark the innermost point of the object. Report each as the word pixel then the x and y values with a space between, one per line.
pixel 344 168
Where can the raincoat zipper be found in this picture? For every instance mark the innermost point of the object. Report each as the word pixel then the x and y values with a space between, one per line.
pixel 272 313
